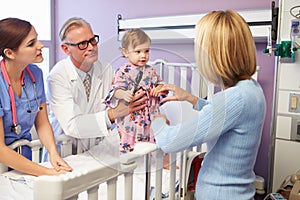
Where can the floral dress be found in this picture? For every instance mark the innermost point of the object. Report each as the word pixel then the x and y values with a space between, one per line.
pixel 135 127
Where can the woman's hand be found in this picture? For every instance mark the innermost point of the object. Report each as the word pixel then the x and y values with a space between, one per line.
pixel 179 94
pixel 155 91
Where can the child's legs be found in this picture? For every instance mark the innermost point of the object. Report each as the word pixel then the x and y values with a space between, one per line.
pixel 147 135
pixel 127 139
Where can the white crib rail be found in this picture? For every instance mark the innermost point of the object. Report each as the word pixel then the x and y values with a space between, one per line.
pixel 36 148
pixel 70 185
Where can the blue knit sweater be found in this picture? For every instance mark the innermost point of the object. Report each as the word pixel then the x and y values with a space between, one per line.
pixel 231 125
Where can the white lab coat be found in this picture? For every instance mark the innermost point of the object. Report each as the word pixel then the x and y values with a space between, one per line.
pixel 70 113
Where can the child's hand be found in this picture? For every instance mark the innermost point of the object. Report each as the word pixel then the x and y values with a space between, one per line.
pixel 123 94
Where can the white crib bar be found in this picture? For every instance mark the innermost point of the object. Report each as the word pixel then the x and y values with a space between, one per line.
pixel 161 70
pixel 159 174
pixel 93 193
pixel 172 176
pixel 183 173
pixel 183 77
pixel 127 170
pixel 171 74
pixel 147 165
pixel 128 181
pixel 66 145
pixel 195 83
pixel 111 189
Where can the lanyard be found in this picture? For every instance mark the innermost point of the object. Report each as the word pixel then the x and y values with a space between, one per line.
pixel 11 92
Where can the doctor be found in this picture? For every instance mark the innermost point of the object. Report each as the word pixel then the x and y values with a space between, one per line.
pixel 74 111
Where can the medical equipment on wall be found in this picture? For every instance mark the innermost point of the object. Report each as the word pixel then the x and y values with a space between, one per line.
pixel 286 123
pixel 16 127
pixel 286 50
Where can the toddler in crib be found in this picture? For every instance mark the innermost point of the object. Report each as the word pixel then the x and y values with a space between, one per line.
pixel 133 77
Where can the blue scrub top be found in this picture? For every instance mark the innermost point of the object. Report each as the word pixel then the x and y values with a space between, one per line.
pixel 25 119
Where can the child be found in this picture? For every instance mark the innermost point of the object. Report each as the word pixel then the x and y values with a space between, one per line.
pixel 133 77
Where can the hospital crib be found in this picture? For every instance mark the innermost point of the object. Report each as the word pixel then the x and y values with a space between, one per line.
pixel 88 179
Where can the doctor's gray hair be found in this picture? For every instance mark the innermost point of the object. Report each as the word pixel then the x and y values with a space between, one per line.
pixel 69 24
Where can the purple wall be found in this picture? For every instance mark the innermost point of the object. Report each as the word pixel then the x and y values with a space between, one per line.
pixel 266 79
pixel 103 17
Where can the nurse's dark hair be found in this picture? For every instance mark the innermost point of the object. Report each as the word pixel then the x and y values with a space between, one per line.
pixel 71 23
pixel 12 33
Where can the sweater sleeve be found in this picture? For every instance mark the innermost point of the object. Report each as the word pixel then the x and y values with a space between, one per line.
pixel 214 119
pixel 200 103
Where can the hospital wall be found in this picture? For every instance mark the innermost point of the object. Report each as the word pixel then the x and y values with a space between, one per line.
pixel 102 15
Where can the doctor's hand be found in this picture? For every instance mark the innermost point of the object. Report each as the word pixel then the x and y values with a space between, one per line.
pixel 179 94
pixel 138 102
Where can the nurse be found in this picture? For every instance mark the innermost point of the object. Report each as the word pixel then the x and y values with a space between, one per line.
pixel 22 99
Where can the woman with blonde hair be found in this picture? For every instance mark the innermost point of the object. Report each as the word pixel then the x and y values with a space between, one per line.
pixel 231 122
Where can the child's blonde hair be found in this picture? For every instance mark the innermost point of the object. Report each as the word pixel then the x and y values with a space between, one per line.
pixel 134 37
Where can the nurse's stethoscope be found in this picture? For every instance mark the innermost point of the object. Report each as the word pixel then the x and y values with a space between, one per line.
pixel 15 126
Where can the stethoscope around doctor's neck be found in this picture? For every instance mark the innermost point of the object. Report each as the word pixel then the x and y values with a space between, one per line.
pixel 15 126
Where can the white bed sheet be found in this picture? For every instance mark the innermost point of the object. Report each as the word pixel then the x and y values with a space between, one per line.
pixel 12 189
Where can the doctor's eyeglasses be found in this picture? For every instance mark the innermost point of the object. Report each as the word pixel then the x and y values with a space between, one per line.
pixel 84 44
